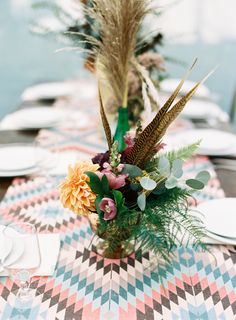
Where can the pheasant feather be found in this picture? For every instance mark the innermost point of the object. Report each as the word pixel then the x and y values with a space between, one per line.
pixel 153 126
pixel 141 151
pixel 105 123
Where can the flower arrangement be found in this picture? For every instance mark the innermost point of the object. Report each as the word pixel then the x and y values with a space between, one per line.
pixel 135 191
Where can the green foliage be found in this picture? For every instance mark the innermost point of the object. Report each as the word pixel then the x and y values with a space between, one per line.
pixel 133 171
pixel 118 197
pixel 195 184
pixel 163 223
pixel 200 181
pixel 203 176
pixel 95 183
pixel 148 183
pixel 164 219
pixel 105 185
pixel 183 153
pixel 114 156
pixel 141 201
pixel 180 154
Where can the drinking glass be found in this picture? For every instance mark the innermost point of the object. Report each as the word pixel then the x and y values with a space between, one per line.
pixel 23 269
pixel 46 158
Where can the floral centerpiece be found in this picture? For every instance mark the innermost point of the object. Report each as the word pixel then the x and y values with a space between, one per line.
pixel 135 191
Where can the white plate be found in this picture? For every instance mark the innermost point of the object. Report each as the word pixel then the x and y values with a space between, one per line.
pixel 16 157
pixel 49 90
pixel 5 246
pixel 16 252
pixel 84 89
pixel 220 217
pixel 13 250
pixel 169 85
pixel 200 109
pixel 214 142
pixel 38 117
pixel 219 239
pixel 19 173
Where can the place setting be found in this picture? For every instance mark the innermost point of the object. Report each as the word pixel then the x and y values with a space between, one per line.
pixel 33 118
pixel 53 90
pixel 212 142
pixel 35 159
pixel 25 254
pixel 218 216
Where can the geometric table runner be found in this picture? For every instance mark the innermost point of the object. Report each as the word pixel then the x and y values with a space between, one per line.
pixel 85 286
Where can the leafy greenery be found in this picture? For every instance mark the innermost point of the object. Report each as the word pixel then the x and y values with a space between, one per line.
pixel 133 171
pixel 183 153
pixel 180 154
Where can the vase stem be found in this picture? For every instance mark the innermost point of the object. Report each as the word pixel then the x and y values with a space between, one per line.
pixel 122 128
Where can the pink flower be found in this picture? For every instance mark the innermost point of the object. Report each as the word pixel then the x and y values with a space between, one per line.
pixel 160 146
pixel 115 181
pixel 129 140
pixel 108 206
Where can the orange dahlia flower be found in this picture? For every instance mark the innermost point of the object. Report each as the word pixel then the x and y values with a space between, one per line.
pixel 75 194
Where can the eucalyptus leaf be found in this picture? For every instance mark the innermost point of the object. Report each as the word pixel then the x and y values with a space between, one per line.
pixel 159 189
pixel 141 201
pixel 171 182
pixel 203 176
pixel 136 187
pixel 133 171
pixel 148 183
pixel 176 169
pixel 195 184
pixel 164 165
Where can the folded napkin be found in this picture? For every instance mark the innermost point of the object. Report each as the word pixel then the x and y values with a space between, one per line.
pixel 49 245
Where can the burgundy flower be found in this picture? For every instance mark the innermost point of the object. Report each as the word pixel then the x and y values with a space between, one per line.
pixel 100 158
pixel 108 206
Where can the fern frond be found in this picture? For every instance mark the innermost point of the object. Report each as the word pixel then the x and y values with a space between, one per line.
pixel 183 153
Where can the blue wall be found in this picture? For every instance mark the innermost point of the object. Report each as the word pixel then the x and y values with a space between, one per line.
pixel 27 59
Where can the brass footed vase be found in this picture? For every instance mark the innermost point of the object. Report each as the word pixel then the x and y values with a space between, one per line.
pixel 119 248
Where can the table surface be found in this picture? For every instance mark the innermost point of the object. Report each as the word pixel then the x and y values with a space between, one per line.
pixel 197 285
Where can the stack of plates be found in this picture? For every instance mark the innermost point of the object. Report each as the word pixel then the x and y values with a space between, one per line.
pixel 203 110
pixel 213 142
pixel 47 91
pixel 34 118
pixel 219 217
pixel 169 85
pixel 17 160
pixel 22 159
pixel 54 90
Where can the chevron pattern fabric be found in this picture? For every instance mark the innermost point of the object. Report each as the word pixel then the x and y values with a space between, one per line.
pixel 196 285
